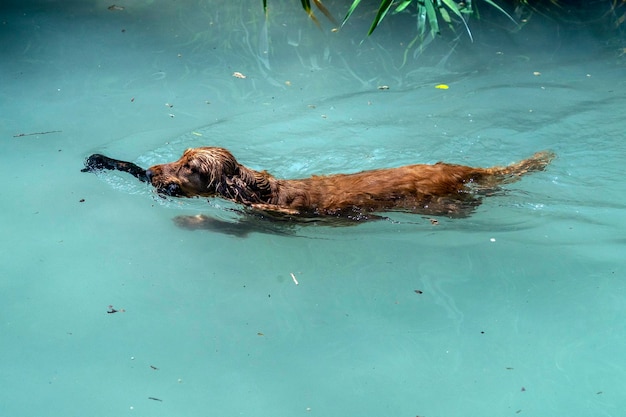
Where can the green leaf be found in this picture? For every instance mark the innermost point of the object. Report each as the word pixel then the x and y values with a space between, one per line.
pixel 432 16
pixel 421 19
pixel 452 6
pixel 355 3
pixel 385 5
pixel 403 5
pixel 491 3
pixel 445 15
pixel 306 5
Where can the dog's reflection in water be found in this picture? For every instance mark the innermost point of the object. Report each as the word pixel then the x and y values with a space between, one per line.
pixel 251 221
pixel 242 227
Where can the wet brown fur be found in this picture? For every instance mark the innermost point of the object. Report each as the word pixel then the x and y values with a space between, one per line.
pixel 439 189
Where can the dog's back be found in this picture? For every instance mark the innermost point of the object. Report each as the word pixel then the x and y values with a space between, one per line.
pixel 432 189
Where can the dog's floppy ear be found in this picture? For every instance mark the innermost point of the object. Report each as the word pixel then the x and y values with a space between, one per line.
pixel 217 165
pixel 242 185
pixel 235 188
pixel 255 186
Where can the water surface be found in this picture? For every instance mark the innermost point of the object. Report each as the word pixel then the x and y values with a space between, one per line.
pixel 517 310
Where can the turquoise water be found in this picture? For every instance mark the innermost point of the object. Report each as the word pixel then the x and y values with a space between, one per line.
pixel 521 310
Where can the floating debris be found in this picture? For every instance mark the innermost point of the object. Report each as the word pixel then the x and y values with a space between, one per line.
pixel 112 310
pixel 19 135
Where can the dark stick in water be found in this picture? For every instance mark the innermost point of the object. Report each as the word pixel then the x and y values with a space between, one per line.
pixel 97 162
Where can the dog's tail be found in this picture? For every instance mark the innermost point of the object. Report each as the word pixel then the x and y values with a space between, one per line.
pixel 513 172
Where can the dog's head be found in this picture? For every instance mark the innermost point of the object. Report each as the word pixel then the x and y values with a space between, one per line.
pixel 199 172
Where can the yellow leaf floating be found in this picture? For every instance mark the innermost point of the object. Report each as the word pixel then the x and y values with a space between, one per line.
pixel 442 86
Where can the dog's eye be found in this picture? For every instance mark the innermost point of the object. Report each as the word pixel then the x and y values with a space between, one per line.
pixel 191 168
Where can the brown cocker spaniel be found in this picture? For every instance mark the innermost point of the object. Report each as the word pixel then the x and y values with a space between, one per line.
pixel 440 189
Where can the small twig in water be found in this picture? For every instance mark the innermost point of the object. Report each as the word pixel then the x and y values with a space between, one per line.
pixel 36 133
